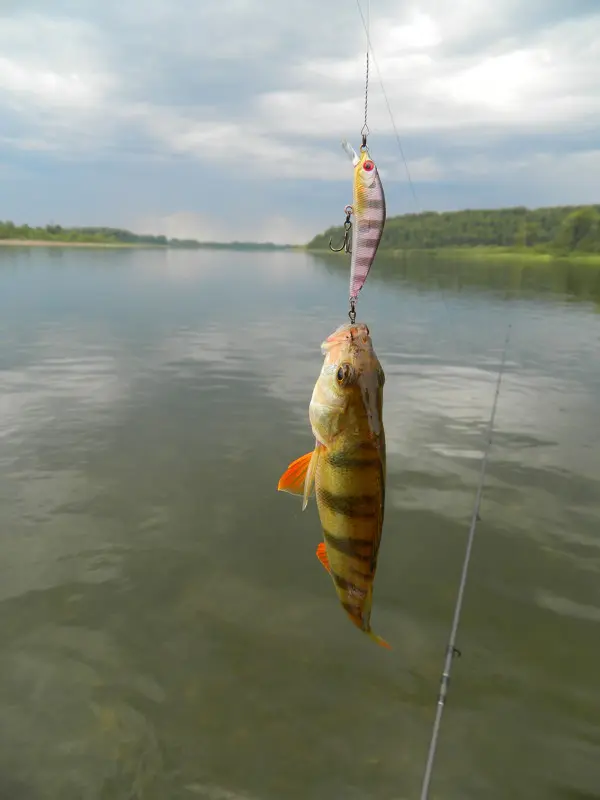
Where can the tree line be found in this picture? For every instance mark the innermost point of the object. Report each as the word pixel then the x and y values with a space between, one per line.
pixel 559 229
pixel 103 235
pixel 56 233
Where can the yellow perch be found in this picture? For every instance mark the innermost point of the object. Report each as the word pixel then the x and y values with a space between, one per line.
pixel 347 467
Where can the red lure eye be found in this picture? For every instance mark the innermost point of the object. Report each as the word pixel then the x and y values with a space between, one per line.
pixel 368 166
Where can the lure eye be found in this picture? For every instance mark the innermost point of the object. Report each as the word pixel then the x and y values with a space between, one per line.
pixel 368 166
pixel 344 374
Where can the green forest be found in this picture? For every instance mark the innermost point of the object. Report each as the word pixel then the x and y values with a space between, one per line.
pixel 561 230
pixel 557 230
pixel 116 237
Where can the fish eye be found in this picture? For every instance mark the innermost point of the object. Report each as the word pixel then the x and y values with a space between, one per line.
pixel 344 374
pixel 368 166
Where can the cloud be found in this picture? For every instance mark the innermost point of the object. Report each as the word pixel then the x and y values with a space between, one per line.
pixel 247 98
pixel 276 228
pixel 187 225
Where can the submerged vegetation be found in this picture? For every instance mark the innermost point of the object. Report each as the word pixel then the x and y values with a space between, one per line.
pixel 115 237
pixel 557 231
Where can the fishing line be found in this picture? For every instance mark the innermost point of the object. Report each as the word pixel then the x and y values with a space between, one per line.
pixel 365 128
pixel 451 650
pixel 366 26
pixel 387 102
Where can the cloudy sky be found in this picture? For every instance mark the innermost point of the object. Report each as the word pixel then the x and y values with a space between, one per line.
pixel 223 118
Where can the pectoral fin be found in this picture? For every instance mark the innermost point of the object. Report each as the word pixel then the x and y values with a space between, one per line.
pixel 299 477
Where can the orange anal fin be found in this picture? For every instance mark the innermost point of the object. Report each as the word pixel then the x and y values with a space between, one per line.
pixel 322 556
pixel 293 478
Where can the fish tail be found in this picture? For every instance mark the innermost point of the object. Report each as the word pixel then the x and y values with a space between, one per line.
pixel 367 629
pixel 379 639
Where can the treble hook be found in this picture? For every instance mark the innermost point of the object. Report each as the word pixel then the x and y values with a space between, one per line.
pixel 347 229
pixel 345 243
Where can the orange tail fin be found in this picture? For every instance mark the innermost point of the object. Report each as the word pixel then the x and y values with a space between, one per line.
pixel 379 640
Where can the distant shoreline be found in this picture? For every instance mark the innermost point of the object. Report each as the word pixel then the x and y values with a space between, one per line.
pixel 55 243
pixel 482 252
pixel 485 253
pixel 547 234
pixel 250 247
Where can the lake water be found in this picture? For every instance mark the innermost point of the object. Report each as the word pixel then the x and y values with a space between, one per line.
pixel 166 630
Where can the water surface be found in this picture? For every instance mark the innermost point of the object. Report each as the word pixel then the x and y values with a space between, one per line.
pixel 166 630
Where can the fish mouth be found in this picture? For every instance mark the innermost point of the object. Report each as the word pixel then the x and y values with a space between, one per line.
pixel 353 333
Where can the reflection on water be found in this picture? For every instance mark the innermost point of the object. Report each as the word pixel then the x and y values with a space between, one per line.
pixel 165 628
pixel 566 280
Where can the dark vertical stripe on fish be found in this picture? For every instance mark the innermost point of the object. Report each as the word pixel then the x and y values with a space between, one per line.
pixel 352 506
pixel 343 460
pixel 349 547
pixel 347 586
pixel 354 611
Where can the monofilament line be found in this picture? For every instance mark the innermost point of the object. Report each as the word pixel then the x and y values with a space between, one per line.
pixel 365 129
pixel 451 650
pixel 389 108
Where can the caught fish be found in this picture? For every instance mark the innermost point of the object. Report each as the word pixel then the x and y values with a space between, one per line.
pixel 347 468
pixel 368 207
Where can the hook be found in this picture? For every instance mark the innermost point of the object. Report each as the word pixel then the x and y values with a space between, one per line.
pixel 345 245
pixel 347 228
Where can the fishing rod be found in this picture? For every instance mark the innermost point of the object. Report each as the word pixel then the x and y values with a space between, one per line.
pixel 451 650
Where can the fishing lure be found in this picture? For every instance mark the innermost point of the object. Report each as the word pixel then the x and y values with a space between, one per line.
pixel 369 211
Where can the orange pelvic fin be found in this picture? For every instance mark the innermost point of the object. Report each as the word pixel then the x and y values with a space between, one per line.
pixel 299 477
pixel 322 556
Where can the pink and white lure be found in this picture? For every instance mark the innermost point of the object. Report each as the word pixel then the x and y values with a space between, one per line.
pixel 368 208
